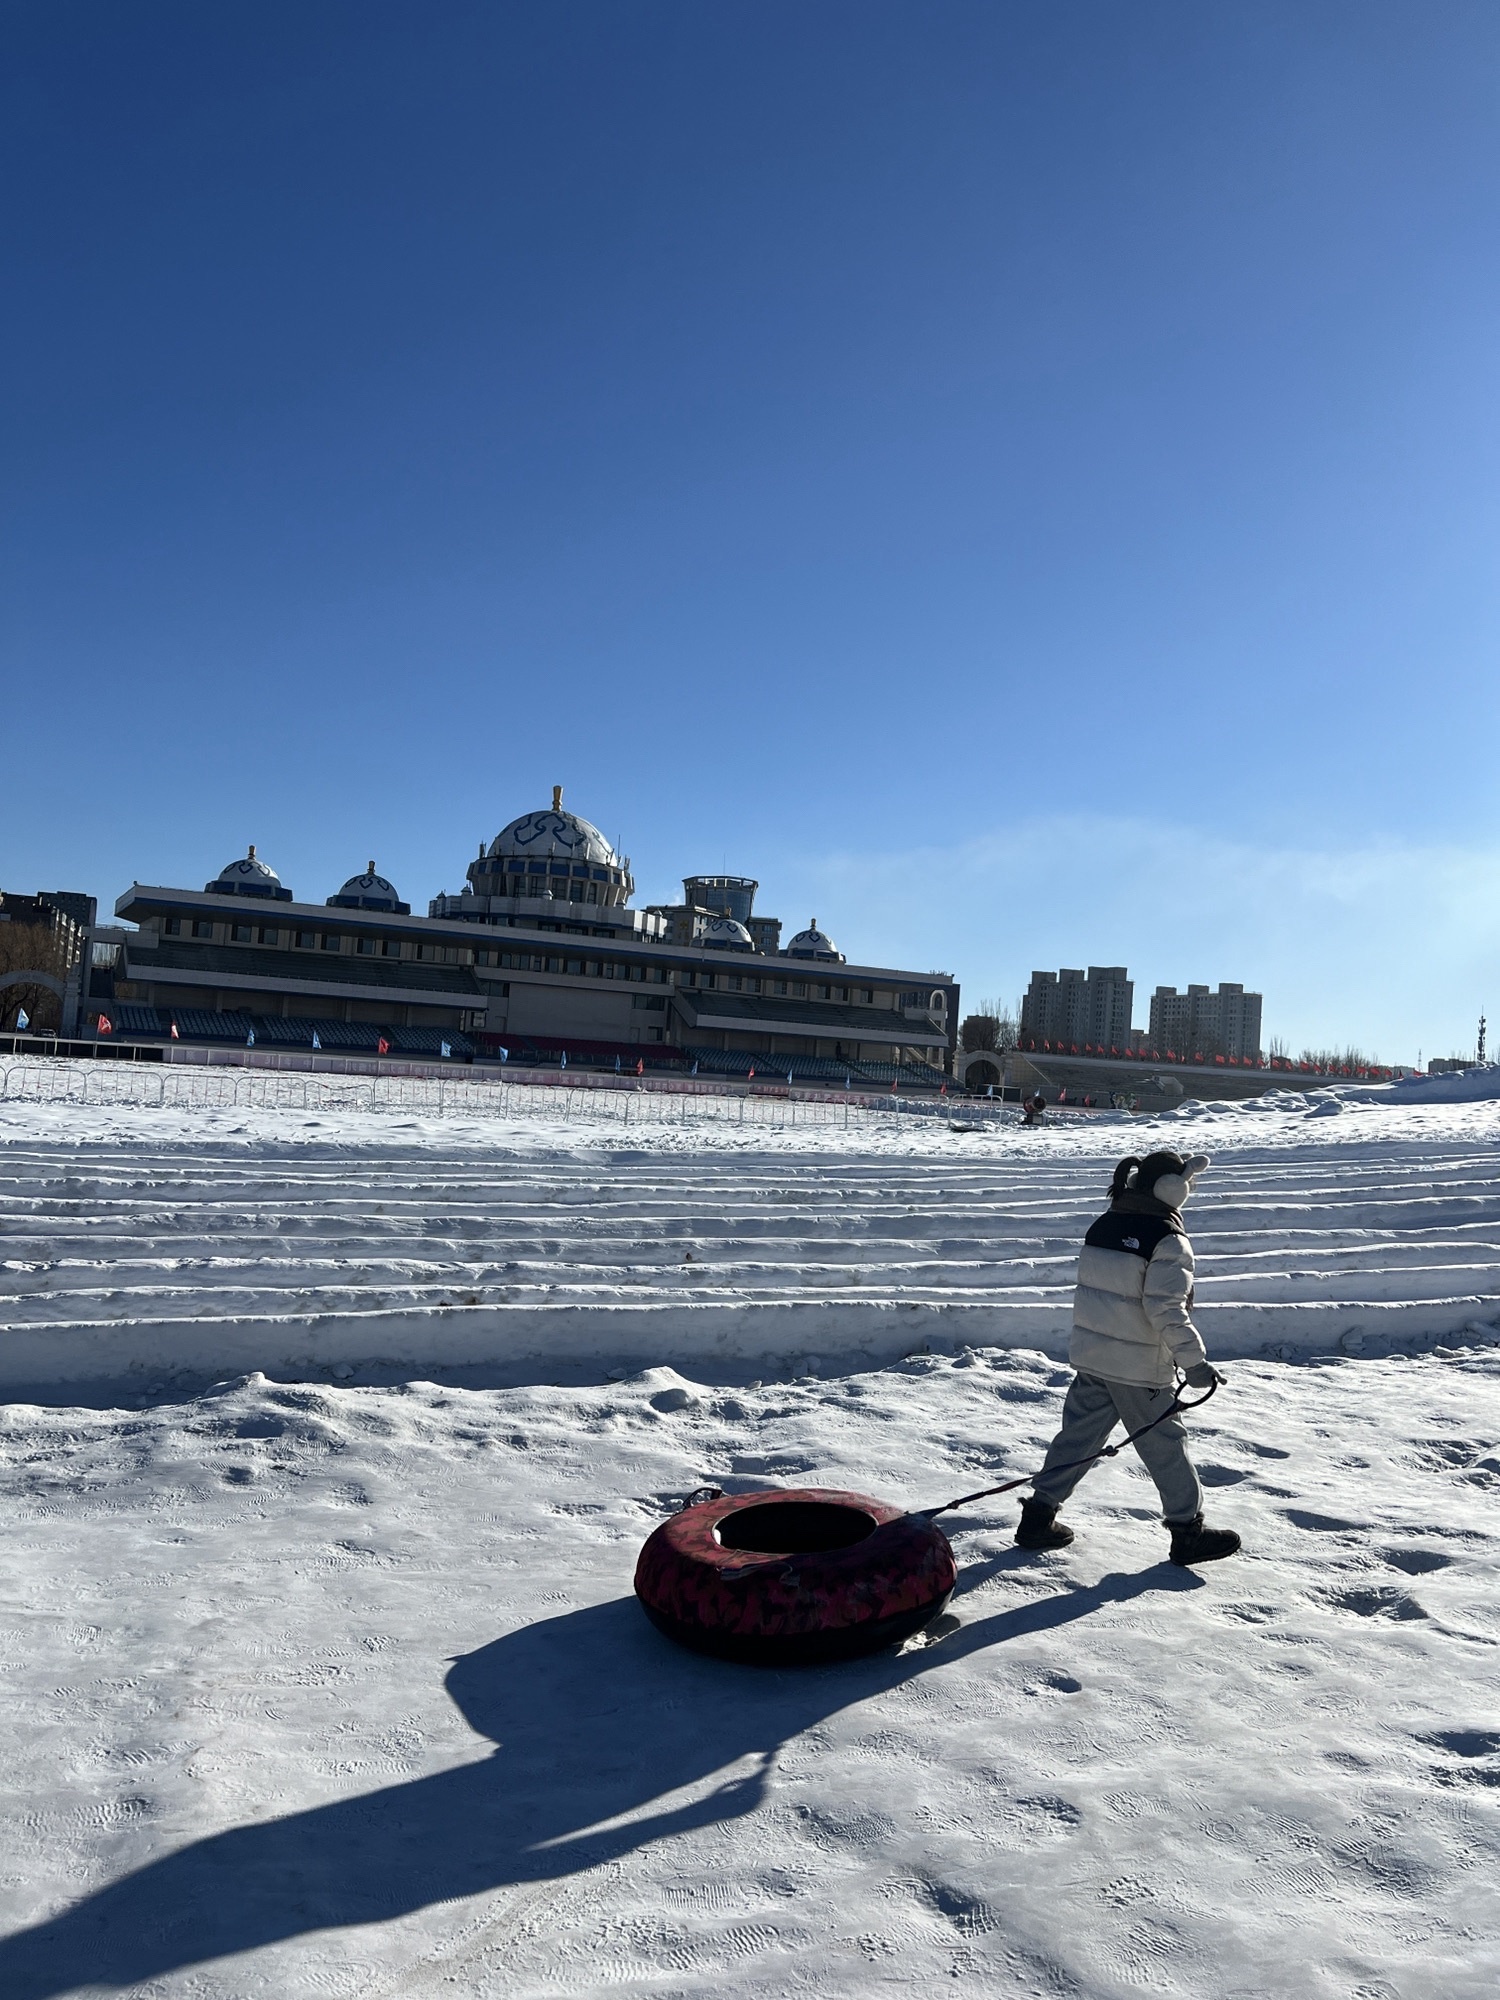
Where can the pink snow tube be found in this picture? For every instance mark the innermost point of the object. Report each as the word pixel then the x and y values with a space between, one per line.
pixel 785 1578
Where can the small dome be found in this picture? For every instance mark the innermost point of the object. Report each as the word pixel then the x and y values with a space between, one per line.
pixel 248 877
pixel 812 943
pixel 369 892
pixel 724 934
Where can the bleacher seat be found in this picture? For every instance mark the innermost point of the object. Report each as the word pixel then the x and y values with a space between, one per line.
pixel 203 1025
pixel 132 1019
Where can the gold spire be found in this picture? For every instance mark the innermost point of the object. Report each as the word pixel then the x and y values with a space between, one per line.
pixel 252 850
pixel 557 798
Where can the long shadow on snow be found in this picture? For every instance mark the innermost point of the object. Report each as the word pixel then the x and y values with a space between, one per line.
pixel 594 1718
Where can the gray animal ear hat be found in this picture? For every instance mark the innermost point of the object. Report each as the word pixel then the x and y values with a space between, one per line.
pixel 1168 1176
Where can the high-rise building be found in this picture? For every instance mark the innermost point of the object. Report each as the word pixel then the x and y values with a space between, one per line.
pixel 1077 1008
pixel 1225 1023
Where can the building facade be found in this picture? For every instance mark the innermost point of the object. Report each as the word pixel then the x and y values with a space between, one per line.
pixel 540 956
pixel 1224 1023
pixel 1078 1008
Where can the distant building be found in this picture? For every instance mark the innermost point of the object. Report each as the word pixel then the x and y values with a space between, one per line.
pixel 1077 1008
pixel 43 951
pixel 540 956
pixel 1223 1023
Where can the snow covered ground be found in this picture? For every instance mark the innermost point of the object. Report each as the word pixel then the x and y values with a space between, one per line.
pixel 334 1686
pixel 335 1691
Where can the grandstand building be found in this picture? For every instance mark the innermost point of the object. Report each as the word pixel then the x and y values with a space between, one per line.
pixel 540 957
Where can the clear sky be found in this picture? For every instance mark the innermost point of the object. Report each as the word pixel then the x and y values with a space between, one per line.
pixel 1020 479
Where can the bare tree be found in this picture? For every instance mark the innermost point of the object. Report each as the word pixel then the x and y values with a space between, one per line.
pixel 32 948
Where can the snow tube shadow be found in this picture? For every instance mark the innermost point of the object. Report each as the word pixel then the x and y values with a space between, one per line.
pixel 790 1578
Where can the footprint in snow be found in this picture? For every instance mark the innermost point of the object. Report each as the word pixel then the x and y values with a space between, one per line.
pixel 1416 1562
pixel 1379 1601
pixel 1319 1524
pixel 1465 1742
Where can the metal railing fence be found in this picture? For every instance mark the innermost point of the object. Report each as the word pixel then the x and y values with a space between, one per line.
pixel 156 1086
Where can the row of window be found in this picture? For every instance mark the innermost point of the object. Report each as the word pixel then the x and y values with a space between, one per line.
pixel 733 982
pixel 271 934
pixel 799 989
pixel 575 869
pixel 591 968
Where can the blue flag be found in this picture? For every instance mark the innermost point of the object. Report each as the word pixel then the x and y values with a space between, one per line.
pixel 505 1055
pixel 250 1038
pixel 564 1058
pixel 695 1066
pixel 446 1048
pixel 23 1021
pixel 617 1065
pixel 316 1043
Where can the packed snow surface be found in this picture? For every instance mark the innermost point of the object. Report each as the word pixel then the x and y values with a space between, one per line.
pixel 325 1692
pixel 335 1686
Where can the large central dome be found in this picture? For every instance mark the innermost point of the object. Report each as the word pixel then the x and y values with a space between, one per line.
pixel 550 856
pixel 553 835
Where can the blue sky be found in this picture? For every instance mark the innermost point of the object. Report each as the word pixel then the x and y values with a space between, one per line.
pixel 1021 480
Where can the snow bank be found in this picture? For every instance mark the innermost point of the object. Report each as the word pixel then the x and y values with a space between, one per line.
pixel 319 1692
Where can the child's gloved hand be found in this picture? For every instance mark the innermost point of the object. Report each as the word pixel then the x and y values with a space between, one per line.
pixel 1203 1375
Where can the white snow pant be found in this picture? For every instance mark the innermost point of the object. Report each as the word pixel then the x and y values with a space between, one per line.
pixel 1092 1410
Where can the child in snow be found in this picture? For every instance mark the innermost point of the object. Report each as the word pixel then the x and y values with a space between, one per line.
pixel 1132 1330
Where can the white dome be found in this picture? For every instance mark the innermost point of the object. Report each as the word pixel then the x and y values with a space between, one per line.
pixel 370 884
pixel 813 943
pixel 369 892
pixel 724 934
pixel 248 876
pixel 556 836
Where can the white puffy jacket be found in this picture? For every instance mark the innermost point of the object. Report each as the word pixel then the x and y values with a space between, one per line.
pixel 1133 1309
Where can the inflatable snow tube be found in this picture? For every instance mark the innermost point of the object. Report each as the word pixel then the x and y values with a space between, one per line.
pixel 786 1578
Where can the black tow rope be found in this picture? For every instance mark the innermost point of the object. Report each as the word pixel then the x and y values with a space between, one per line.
pixel 1109 1451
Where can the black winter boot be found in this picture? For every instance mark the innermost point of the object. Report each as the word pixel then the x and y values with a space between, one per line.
pixel 1039 1526
pixel 1193 1543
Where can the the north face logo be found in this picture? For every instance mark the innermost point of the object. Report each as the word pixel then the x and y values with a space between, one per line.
pixel 1131 1242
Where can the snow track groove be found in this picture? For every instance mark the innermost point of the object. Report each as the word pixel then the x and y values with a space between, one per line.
pixel 307 1255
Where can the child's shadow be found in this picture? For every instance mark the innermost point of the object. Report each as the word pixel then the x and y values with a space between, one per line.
pixel 598 1725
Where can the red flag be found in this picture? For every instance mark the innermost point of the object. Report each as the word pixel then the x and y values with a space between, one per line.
pixel 175 1036
pixel 382 1047
pixel 752 1069
pixel 106 1025
pixel 640 1065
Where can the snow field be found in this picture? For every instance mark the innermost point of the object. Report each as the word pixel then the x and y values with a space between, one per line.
pixel 161 1244
pixel 334 1685
pixel 326 1691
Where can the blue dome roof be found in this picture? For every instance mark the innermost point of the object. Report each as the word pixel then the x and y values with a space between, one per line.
pixel 369 892
pixel 724 934
pixel 813 943
pixel 248 877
